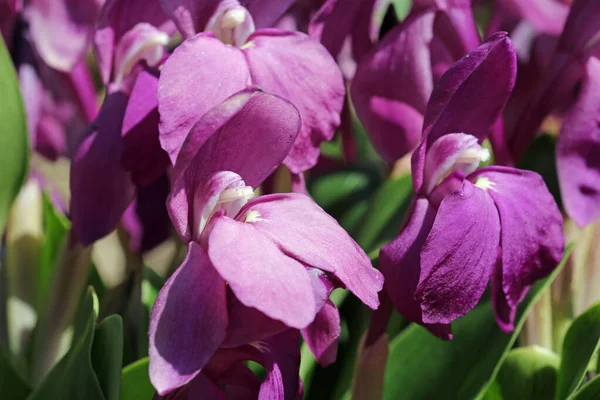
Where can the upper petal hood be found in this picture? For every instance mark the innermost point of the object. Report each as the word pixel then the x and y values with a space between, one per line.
pixel 532 236
pixel 299 69
pixel 458 255
pixel 301 229
pixel 249 134
pixel 577 149
pixel 458 103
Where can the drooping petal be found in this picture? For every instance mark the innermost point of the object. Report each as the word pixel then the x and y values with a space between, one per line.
pixel 188 322
pixel 299 69
pixel 304 231
pixel 101 189
pixel 392 85
pixel 142 154
pixel 200 74
pixel 260 274
pixel 61 29
pixel 577 149
pixel 505 314
pixel 249 134
pixel 116 20
pixel 400 263
pixel 322 335
pixel 458 103
pixel 532 234
pixel 452 152
pixel 458 255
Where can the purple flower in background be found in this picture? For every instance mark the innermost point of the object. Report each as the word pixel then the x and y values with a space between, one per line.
pixel 254 267
pixel 102 181
pixel 466 226
pixel 233 56
pixel 394 80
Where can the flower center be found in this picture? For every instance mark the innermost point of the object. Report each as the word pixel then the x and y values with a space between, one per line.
pixel 231 23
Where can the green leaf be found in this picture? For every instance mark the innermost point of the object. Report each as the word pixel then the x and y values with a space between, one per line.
pixel 420 366
pixel 384 217
pixel 56 227
pixel 14 147
pixel 73 377
pixel 107 355
pixel 12 386
pixel 579 347
pixel 589 391
pixel 529 373
pixel 135 382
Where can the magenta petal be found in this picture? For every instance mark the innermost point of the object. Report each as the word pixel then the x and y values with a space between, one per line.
pixel 334 22
pixel 322 335
pixel 190 16
pixel 100 189
pixel 392 86
pixel 299 69
pixel 201 73
pixel 188 322
pixel 401 265
pixel 547 16
pixel 532 234
pixel 61 29
pixel 304 231
pixel 267 12
pixel 577 151
pixel 142 154
pixel 458 103
pixel 459 254
pixel 260 274
pixel 249 134
pixel 505 314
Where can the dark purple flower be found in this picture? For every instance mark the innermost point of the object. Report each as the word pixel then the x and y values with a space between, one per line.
pixel 466 226
pixel 394 80
pixel 281 255
pixel 234 56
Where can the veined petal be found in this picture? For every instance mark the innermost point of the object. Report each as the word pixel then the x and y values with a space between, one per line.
pixel 190 16
pixel 301 229
pixel 532 235
pixel 249 134
pixel 299 69
pixel 101 189
pixel 458 103
pixel 392 85
pixel 322 335
pixel 577 149
pixel 61 30
pixel 200 74
pixel 458 256
pixel 188 322
pixel 259 274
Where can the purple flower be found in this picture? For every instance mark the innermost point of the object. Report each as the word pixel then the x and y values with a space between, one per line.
pixel 108 163
pixel 233 56
pixel 466 226
pixel 394 80
pixel 255 267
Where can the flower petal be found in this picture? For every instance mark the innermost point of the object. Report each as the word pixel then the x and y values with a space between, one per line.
pixel 392 86
pixel 299 69
pixel 202 64
pixel 282 363
pixel 259 274
pixel 190 16
pixel 61 30
pixel 304 231
pixel 100 189
pixel 323 334
pixel 577 150
pixel 458 255
pixel 532 234
pixel 188 322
